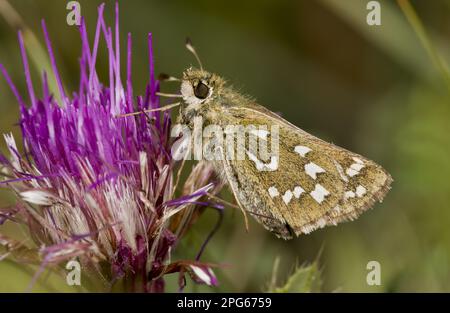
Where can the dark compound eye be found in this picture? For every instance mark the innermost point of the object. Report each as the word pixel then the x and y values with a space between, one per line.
pixel 201 91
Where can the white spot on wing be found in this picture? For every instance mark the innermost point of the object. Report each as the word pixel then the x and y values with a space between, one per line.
pixel 356 166
pixel 273 192
pixel 302 150
pixel 340 171
pixel 287 197
pixel 351 172
pixel 360 191
pixel 319 193
pixel 264 167
pixel 349 194
pixel 298 191
pixel 312 169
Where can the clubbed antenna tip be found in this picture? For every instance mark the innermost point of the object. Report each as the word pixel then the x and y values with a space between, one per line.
pixel 191 48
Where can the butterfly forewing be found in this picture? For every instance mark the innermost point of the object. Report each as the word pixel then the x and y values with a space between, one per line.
pixel 313 185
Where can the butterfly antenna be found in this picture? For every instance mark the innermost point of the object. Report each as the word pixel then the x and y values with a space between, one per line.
pixel 163 77
pixel 191 48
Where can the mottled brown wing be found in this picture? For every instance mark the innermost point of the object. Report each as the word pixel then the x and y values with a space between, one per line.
pixel 315 183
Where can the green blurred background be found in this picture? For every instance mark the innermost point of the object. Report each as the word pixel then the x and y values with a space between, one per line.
pixel 371 89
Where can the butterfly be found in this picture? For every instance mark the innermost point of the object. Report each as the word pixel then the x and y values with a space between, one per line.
pixel 308 183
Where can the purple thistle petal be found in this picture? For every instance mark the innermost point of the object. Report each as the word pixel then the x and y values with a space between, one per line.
pixel 92 74
pixel 13 89
pixel 151 67
pixel 129 85
pixel 117 38
pixel 186 199
pixel 26 69
pixel 204 275
pixel 53 61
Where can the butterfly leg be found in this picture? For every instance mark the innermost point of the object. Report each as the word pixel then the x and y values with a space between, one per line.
pixel 230 179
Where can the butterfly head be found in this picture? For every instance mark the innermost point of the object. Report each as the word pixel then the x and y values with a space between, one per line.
pixel 199 87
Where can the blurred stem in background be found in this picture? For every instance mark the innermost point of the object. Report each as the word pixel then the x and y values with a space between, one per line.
pixel 394 35
pixel 34 48
pixel 418 27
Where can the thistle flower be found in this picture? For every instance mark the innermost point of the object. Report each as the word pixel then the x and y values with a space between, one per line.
pixel 98 188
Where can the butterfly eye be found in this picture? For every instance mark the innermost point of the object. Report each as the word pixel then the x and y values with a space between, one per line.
pixel 201 91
